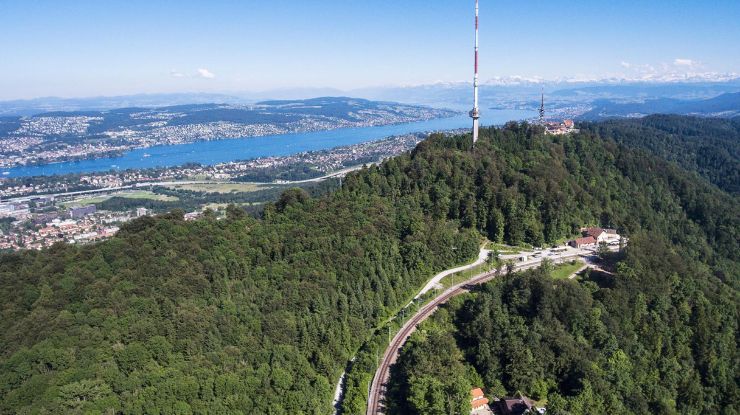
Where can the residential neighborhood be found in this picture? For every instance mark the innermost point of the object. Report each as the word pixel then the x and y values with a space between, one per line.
pixel 323 161
pixel 82 226
pixel 26 228
pixel 65 136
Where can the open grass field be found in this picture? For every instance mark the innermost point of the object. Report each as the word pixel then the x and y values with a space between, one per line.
pixel 455 278
pixel 507 249
pixel 565 270
pixel 220 187
pixel 560 271
pixel 129 194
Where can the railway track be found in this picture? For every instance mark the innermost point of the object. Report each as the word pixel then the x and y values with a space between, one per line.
pixel 378 386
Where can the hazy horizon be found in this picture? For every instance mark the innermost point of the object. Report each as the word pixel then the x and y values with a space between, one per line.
pixel 86 49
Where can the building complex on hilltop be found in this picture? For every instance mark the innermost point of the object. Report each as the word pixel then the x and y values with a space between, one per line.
pixel 555 127
pixel 562 127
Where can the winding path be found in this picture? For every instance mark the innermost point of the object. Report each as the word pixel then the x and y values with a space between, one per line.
pixel 378 386
pixel 482 257
pixel 432 283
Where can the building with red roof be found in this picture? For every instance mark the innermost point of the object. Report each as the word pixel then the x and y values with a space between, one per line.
pixel 595 232
pixel 581 242
pixel 600 234
pixel 478 401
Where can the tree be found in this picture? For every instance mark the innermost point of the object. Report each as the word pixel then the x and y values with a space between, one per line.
pixel 510 267
pixel 603 250
pixel 251 308
pixel 233 212
pixel 86 394
pixel 547 265
pixel 496 225
pixel 493 259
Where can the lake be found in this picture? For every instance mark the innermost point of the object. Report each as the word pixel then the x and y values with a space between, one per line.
pixel 221 151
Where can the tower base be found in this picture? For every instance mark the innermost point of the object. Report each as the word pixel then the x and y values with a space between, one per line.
pixel 474 114
pixel 475 130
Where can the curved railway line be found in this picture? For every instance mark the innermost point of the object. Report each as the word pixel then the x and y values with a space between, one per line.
pixel 377 388
pixel 375 402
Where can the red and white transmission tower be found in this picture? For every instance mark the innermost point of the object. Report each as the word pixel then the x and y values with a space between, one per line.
pixel 474 113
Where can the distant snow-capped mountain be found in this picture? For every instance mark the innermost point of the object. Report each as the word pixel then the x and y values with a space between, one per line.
pixel 502 92
pixel 667 77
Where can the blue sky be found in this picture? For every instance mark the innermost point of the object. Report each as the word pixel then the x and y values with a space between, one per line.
pixel 85 48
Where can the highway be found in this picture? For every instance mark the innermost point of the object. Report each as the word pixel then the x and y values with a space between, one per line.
pixel 534 259
pixel 338 173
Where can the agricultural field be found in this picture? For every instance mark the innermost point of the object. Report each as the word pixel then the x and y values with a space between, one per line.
pixel 131 194
pixel 220 187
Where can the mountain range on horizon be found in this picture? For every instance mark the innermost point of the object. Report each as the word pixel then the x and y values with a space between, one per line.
pixel 506 91
pixel 724 106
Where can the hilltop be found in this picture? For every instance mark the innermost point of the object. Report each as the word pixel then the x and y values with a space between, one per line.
pixel 220 316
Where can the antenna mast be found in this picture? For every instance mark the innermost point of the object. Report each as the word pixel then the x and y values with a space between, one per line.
pixel 474 113
pixel 542 108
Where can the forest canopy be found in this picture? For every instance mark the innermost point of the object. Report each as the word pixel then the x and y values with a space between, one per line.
pixel 224 316
pixel 658 336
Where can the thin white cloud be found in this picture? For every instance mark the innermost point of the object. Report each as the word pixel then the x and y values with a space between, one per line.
pixel 684 62
pixel 199 73
pixel 677 70
pixel 205 73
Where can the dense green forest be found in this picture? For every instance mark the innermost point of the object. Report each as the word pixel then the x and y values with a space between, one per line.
pixel 659 336
pixel 232 316
pixel 521 186
pixel 250 316
pixel 709 146
pixel 190 200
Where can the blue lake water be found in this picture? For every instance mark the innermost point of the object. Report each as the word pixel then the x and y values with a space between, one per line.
pixel 220 151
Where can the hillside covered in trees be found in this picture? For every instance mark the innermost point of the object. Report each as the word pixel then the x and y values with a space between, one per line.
pixel 708 146
pixel 250 316
pixel 658 336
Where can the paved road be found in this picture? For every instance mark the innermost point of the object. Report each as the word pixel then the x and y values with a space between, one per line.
pixel 338 173
pixel 433 282
pixel 482 257
pixel 378 386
